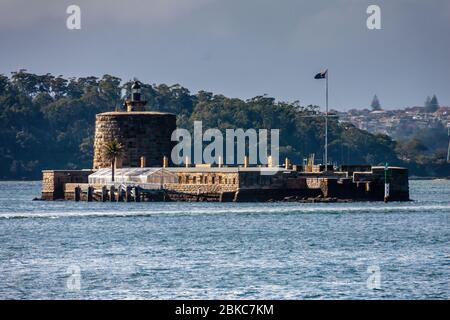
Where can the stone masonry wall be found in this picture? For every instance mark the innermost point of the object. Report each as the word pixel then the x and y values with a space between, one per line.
pixel 200 188
pixel 53 181
pixel 145 134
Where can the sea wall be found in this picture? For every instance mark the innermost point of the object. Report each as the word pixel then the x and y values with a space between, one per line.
pixel 242 185
pixel 53 182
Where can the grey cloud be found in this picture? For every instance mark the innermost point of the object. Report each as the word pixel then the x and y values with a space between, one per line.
pixel 241 48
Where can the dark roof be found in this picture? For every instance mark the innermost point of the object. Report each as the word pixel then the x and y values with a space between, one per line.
pixel 136 85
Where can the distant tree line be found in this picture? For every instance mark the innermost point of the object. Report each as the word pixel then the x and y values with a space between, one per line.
pixel 48 122
pixel 431 104
pixel 423 150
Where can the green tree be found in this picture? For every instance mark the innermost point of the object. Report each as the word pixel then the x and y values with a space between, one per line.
pixel 113 150
pixel 431 105
pixel 110 90
pixel 376 106
pixel 411 150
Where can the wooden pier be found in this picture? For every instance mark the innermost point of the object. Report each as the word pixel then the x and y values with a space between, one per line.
pixel 113 193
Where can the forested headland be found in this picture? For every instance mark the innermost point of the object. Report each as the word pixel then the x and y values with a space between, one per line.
pixel 47 122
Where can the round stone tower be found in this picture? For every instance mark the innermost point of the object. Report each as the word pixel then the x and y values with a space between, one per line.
pixel 144 135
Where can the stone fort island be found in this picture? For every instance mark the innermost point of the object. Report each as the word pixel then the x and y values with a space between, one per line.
pixel 138 148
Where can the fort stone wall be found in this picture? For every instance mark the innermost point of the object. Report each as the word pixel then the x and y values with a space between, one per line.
pixel 142 134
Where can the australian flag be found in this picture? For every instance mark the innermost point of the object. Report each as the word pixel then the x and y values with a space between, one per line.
pixel 321 75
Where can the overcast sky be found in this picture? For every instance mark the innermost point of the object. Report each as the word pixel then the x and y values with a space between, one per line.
pixel 242 48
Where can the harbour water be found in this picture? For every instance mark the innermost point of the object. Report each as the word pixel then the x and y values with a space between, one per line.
pixel 362 250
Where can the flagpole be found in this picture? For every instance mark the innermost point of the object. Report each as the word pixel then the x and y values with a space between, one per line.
pixel 326 124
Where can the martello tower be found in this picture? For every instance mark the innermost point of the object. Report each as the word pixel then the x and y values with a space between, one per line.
pixel 145 135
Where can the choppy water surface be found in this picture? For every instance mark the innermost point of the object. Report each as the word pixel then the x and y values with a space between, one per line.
pixel 225 251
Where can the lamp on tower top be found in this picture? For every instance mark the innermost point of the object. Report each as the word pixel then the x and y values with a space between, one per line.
pixel 136 91
pixel 135 104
